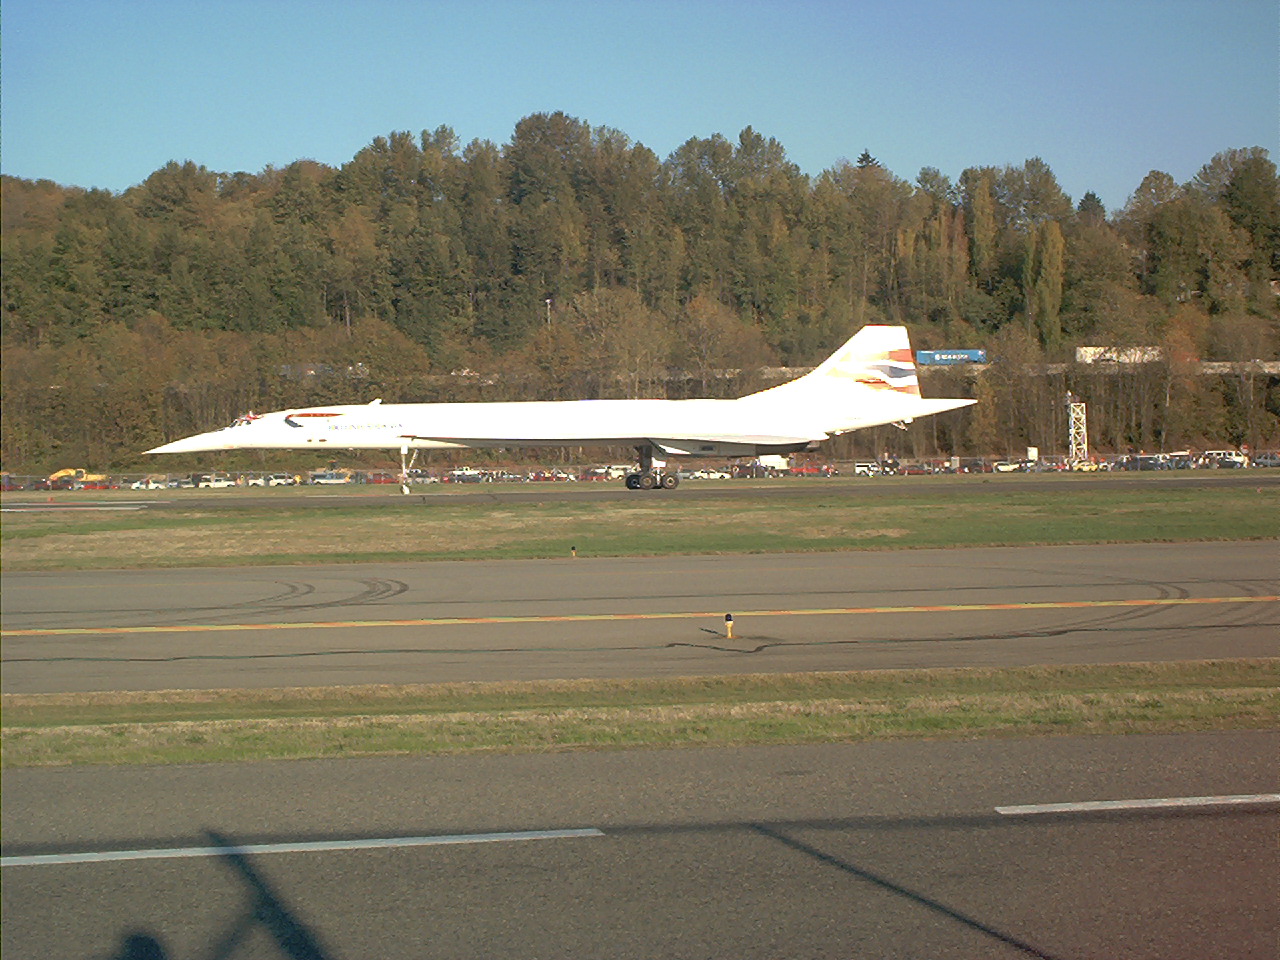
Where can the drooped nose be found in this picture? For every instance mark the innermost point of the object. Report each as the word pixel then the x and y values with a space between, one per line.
pixel 197 444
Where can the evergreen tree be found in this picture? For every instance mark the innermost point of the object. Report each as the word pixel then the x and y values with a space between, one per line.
pixel 1090 209
pixel 173 306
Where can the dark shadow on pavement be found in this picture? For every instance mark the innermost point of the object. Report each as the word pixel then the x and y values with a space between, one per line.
pixel 265 909
pixel 892 887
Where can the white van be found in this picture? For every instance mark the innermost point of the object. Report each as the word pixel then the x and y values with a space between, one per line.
pixel 1224 458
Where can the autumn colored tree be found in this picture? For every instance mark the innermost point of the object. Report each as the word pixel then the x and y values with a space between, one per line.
pixel 166 309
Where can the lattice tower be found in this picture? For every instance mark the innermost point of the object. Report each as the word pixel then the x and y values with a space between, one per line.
pixel 1078 431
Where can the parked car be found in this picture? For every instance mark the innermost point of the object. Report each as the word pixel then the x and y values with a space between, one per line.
pixel 1266 460
pixel 1224 459
pixel 215 481
pixel 272 480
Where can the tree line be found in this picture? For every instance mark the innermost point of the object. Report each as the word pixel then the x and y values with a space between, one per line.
pixel 571 261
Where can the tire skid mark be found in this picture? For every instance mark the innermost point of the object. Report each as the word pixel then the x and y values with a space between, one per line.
pixel 378 592
pixel 760 644
pixel 374 591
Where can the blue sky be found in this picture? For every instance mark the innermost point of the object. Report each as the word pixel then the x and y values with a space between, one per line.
pixel 100 93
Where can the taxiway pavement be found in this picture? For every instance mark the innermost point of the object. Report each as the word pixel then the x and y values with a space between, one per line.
pixel 892 850
pixel 872 849
pixel 637 617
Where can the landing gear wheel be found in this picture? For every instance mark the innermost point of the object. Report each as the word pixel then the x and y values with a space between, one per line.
pixel 648 481
pixel 670 481
pixel 633 481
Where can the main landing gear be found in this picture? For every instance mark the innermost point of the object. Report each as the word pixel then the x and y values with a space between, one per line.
pixel 648 478
pixel 652 481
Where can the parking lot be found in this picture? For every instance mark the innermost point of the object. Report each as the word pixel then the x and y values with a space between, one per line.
pixel 796 466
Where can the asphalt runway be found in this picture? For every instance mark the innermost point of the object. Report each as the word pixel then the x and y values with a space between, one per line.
pixel 874 849
pixel 637 617
pixel 887 850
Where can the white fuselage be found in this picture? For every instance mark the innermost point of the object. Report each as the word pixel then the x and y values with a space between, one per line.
pixel 390 426
pixel 869 381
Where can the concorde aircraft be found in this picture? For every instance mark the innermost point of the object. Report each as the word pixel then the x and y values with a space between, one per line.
pixel 869 381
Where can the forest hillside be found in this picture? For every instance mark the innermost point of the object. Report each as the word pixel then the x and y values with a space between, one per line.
pixel 573 262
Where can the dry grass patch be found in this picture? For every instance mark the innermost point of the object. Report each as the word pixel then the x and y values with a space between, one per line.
pixel 853 533
pixel 178 727
pixel 325 536
pixel 629 727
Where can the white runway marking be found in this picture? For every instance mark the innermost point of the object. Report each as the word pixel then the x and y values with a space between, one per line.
pixel 66 508
pixel 318 846
pixel 1095 806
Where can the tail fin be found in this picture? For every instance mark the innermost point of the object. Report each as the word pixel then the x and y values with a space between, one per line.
pixel 877 358
pixel 870 380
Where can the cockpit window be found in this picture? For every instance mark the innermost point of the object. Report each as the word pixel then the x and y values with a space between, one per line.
pixel 244 419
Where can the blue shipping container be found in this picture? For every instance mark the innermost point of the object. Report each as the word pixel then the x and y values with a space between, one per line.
pixel 939 358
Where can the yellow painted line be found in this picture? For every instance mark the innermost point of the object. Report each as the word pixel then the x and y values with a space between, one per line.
pixel 610 617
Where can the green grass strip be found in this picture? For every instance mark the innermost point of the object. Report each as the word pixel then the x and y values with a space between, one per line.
pixel 198 727
pixel 826 515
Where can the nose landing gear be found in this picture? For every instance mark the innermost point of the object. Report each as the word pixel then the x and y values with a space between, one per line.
pixel 405 468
